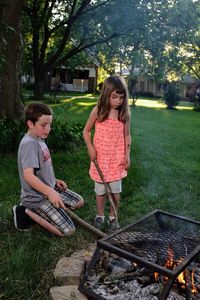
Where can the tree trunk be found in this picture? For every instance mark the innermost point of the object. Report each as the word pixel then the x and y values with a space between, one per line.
pixel 39 84
pixel 11 104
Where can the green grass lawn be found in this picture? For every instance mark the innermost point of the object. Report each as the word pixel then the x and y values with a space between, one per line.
pixel 164 174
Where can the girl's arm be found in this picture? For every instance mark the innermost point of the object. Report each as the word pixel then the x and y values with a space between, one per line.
pixel 87 133
pixel 43 188
pixel 127 144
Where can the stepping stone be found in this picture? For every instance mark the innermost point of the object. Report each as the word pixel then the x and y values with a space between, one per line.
pixel 69 269
pixel 69 292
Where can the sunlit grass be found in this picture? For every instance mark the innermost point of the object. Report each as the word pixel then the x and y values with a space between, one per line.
pixel 164 174
pixel 91 100
pixel 86 104
pixel 158 104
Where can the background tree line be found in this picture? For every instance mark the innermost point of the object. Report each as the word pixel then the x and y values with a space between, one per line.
pixel 157 36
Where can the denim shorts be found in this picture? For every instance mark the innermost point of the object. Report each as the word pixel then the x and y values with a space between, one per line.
pixel 116 187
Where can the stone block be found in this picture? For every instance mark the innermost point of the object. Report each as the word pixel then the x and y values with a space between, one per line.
pixel 68 271
pixel 69 292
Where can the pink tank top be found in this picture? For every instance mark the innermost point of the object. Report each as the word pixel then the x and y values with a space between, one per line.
pixel 109 143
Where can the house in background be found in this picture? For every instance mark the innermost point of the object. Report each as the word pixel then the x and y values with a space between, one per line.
pixel 78 79
pixel 149 86
pixel 190 86
pixel 81 78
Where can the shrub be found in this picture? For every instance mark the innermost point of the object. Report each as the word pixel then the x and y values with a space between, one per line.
pixel 11 132
pixel 28 86
pixel 146 94
pixel 62 136
pixel 171 97
pixel 196 101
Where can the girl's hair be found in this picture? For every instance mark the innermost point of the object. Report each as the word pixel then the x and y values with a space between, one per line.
pixel 117 84
pixel 34 111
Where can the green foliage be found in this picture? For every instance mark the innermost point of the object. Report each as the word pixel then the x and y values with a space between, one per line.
pixel 11 132
pixel 145 50
pixel 146 94
pixel 102 75
pixel 64 135
pixel 196 101
pixel 171 97
pixel 28 86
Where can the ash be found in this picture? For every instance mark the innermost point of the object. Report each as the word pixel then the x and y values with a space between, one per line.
pixel 129 290
pixel 115 278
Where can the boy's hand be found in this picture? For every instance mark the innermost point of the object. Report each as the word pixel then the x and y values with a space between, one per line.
pixel 61 184
pixel 55 199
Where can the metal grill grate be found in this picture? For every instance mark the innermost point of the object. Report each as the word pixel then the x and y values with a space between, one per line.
pixel 147 243
pixel 152 237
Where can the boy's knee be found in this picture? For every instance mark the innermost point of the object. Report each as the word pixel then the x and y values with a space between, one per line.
pixel 80 203
pixel 68 232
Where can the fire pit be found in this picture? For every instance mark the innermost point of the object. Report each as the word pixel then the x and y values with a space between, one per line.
pixel 165 244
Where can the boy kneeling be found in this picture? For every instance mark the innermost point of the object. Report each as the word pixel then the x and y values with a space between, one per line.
pixel 43 197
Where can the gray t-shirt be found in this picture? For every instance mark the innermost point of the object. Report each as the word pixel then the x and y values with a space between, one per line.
pixel 34 153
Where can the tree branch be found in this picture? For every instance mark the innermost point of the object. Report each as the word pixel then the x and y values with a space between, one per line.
pixel 80 48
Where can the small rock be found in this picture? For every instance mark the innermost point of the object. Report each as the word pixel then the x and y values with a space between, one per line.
pixel 69 292
pixel 68 271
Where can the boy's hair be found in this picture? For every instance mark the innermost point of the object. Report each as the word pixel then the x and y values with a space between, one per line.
pixel 117 84
pixel 34 111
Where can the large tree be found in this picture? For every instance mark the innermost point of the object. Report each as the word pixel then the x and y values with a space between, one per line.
pixel 165 37
pixel 11 105
pixel 61 29
pixel 56 31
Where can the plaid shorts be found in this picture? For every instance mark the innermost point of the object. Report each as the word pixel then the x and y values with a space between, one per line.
pixel 57 216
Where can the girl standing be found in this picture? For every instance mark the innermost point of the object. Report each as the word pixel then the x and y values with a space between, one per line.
pixel 111 144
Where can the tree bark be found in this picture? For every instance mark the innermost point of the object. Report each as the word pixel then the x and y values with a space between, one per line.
pixel 38 84
pixel 11 104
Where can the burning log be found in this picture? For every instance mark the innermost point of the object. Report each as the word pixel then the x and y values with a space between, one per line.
pixel 144 280
pixel 188 284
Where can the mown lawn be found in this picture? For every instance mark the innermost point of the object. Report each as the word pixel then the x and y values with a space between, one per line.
pixel 164 175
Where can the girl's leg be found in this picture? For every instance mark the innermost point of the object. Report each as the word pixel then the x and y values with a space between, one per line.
pixel 56 217
pixel 99 219
pixel 115 198
pixel 100 204
pixel 112 222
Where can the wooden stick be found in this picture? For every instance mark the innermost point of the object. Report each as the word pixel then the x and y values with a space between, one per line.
pixel 108 192
pixel 84 223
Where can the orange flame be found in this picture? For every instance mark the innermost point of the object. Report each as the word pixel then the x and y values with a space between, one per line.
pixel 171 264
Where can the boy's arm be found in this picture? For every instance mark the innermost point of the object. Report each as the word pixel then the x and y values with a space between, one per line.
pixel 127 144
pixel 43 188
pixel 87 133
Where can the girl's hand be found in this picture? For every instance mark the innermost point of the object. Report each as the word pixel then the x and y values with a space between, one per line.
pixel 127 162
pixel 55 199
pixel 61 184
pixel 92 153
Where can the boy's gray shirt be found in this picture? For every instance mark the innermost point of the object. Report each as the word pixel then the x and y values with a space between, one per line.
pixel 34 153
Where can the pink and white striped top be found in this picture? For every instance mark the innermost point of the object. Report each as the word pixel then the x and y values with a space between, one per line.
pixel 109 143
